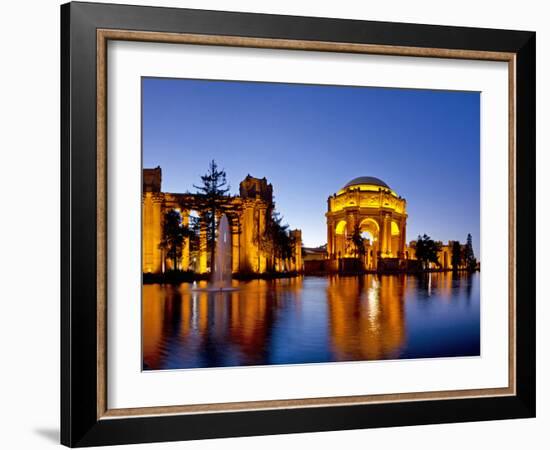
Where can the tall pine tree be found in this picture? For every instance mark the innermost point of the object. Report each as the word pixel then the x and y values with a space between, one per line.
pixel 469 258
pixel 213 192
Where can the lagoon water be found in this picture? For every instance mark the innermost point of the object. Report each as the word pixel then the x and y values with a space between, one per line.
pixel 311 320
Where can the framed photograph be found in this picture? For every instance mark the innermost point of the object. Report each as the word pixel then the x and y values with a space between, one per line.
pixel 276 224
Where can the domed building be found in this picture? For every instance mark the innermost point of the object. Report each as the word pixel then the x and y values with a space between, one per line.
pixel 370 208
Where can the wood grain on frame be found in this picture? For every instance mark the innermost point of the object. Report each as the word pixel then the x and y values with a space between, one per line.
pixel 101 225
pixel 103 35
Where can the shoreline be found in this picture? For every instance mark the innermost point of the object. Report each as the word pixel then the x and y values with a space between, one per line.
pixel 189 277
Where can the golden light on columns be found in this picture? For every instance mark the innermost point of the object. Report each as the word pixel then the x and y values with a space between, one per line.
pixel 248 213
pixel 369 204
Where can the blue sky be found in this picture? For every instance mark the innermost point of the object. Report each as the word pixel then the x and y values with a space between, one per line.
pixel 309 140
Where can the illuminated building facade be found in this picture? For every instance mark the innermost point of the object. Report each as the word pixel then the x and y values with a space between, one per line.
pixel 248 213
pixel 444 256
pixel 368 206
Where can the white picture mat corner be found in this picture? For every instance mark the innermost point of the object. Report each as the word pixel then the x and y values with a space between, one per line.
pixel 129 387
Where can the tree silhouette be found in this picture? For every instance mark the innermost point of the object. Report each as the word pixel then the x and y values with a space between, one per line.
pixel 277 240
pixel 358 241
pixel 173 236
pixel 427 250
pixel 213 193
pixel 194 233
pixel 456 256
pixel 468 256
pixel 279 235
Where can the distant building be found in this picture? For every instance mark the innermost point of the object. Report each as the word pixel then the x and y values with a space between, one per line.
pixel 314 253
pixel 445 255
pixel 315 259
pixel 249 215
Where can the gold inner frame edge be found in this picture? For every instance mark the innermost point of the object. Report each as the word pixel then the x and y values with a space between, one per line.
pixel 103 36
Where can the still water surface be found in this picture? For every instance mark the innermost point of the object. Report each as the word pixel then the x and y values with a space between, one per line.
pixel 311 320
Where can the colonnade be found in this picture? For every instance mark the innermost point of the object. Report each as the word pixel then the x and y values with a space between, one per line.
pixel 248 221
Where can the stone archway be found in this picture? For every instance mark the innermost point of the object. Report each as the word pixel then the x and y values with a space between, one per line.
pixel 249 215
pixel 340 238
pixel 370 226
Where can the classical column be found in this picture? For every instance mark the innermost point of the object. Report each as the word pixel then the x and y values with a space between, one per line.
pixel 246 238
pixel 243 263
pixel 297 234
pixel 235 245
pixel 348 232
pixel 386 234
pixel 157 224
pixel 186 243
pixel 403 238
pixel 375 249
pixel 203 247
pixel 330 240
pixel 147 230
pixel 261 234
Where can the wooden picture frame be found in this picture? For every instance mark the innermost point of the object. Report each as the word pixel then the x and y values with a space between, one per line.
pixel 85 417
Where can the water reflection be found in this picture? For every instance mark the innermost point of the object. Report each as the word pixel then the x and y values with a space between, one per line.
pixel 366 317
pixel 311 319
